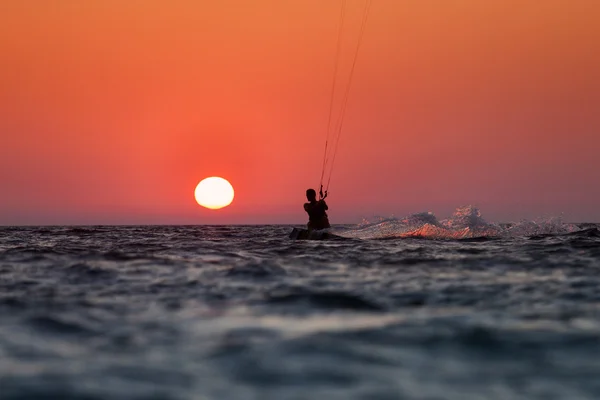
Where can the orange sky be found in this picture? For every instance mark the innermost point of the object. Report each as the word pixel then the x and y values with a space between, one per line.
pixel 112 111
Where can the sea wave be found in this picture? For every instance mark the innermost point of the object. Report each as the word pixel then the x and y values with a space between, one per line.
pixel 465 223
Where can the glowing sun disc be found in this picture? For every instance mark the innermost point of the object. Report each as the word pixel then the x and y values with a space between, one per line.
pixel 214 192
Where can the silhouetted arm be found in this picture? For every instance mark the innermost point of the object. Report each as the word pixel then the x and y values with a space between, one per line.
pixel 324 204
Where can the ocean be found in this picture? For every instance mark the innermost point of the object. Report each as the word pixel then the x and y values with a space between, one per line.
pixel 410 308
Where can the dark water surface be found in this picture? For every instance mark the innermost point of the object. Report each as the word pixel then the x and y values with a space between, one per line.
pixel 239 312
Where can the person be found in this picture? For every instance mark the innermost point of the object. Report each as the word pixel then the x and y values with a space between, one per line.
pixel 317 217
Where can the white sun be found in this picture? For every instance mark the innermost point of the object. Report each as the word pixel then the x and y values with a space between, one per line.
pixel 214 193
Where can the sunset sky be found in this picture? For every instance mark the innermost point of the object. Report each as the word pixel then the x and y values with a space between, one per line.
pixel 112 111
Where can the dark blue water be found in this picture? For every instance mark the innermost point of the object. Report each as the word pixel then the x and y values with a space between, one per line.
pixel 243 312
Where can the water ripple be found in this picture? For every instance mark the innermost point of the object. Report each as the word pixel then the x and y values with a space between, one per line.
pixel 236 312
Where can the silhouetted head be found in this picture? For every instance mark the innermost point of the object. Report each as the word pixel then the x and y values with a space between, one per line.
pixel 311 195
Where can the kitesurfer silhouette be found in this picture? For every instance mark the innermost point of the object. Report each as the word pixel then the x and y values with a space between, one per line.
pixel 317 217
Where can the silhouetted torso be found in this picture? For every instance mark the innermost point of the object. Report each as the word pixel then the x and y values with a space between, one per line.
pixel 317 217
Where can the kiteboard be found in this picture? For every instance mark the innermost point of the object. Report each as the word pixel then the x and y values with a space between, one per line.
pixel 305 234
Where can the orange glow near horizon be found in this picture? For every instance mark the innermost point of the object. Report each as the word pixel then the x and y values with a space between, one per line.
pixel 491 103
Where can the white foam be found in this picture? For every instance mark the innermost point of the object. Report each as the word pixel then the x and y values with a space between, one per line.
pixel 466 222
